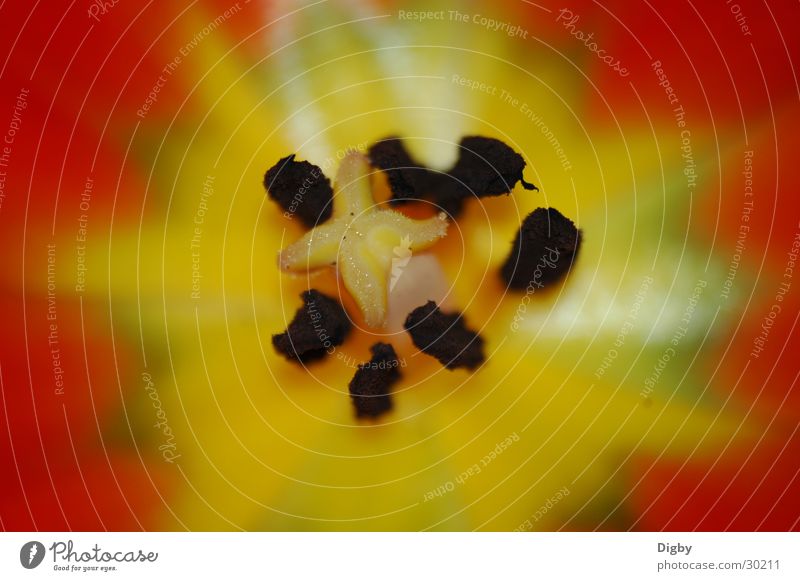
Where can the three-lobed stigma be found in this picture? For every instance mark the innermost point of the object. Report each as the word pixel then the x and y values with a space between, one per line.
pixel 361 239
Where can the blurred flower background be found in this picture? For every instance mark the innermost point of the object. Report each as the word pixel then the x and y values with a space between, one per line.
pixel 655 388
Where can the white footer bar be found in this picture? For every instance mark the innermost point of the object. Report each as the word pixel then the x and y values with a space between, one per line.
pixel 388 556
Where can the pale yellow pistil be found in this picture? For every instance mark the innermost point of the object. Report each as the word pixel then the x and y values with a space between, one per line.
pixel 360 239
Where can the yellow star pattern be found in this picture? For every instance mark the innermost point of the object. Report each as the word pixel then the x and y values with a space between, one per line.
pixel 360 239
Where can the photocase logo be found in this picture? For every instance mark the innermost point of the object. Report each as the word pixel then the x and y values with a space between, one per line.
pixel 31 554
pixel 402 254
pixel 100 7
